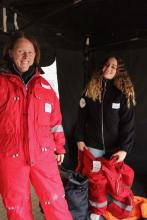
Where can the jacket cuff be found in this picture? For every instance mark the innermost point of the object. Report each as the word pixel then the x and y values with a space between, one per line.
pixel 60 150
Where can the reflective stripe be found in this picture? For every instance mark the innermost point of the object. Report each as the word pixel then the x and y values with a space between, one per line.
pixel 57 128
pixel 98 205
pixel 45 86
pixel 123 205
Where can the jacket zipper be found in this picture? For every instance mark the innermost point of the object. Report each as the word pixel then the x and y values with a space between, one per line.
pixel 102 109
pixel 26 151
pixel 26 106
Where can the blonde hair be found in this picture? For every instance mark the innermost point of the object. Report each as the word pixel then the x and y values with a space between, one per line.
pixel 122 82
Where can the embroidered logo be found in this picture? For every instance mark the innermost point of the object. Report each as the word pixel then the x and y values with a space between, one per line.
pixel 48 107
pixel 115 105
pixel 96 166
pixel 82 103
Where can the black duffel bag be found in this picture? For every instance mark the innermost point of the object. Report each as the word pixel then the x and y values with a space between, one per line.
pixel 76 193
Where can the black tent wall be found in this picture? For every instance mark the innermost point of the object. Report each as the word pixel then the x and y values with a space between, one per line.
pixel 71 80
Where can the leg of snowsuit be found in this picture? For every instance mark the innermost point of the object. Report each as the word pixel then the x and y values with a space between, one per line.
pixel 97 193
pixel 97 184
pixel 15 178
pixel 15 189
pixel 46 180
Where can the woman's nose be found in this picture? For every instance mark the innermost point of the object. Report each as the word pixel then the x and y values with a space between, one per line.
pixel 108 67
pixel 25 54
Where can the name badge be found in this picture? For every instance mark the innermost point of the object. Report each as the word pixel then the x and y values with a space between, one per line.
pixel 48 107
pixel 115 105
pixel 96 166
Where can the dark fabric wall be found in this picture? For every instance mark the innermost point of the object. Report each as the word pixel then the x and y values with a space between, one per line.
pixel 71 79
pixel 70 82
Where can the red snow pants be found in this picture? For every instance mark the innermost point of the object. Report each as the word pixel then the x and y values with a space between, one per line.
pixel 16 176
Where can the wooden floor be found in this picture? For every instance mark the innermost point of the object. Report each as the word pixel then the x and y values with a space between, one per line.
pixel 36 210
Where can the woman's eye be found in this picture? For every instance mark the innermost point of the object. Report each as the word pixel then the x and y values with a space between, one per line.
pixel 30 53
pixel 20 51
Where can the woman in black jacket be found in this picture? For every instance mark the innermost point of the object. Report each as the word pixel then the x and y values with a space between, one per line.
pixel 106 116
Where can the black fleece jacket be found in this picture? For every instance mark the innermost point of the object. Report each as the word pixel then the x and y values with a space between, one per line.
pixel 107 125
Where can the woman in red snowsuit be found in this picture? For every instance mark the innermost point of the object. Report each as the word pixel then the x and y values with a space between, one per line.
pixel 31 134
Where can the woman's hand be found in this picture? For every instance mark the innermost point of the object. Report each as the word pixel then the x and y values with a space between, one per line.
pixel 121 155
pixel 60 158
pixel 81 145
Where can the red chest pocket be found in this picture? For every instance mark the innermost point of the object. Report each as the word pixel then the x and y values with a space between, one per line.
pixel 43 106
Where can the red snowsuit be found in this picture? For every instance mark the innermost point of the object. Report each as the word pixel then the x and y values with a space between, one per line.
pixel 30 133
pixel 107 178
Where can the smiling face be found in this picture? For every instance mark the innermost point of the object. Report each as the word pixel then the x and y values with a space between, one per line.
pixel 23 54
pixel 110 68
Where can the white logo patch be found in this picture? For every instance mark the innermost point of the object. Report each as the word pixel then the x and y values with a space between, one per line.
pixel 45 86
pixel 48 107
pixel 82 103
pixel 96 166
pixel 115 105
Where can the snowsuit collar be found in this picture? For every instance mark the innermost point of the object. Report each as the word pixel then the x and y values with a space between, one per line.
pixel 11 67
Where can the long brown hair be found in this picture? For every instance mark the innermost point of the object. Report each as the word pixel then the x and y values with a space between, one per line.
pixel 122 81
pixel 12 41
